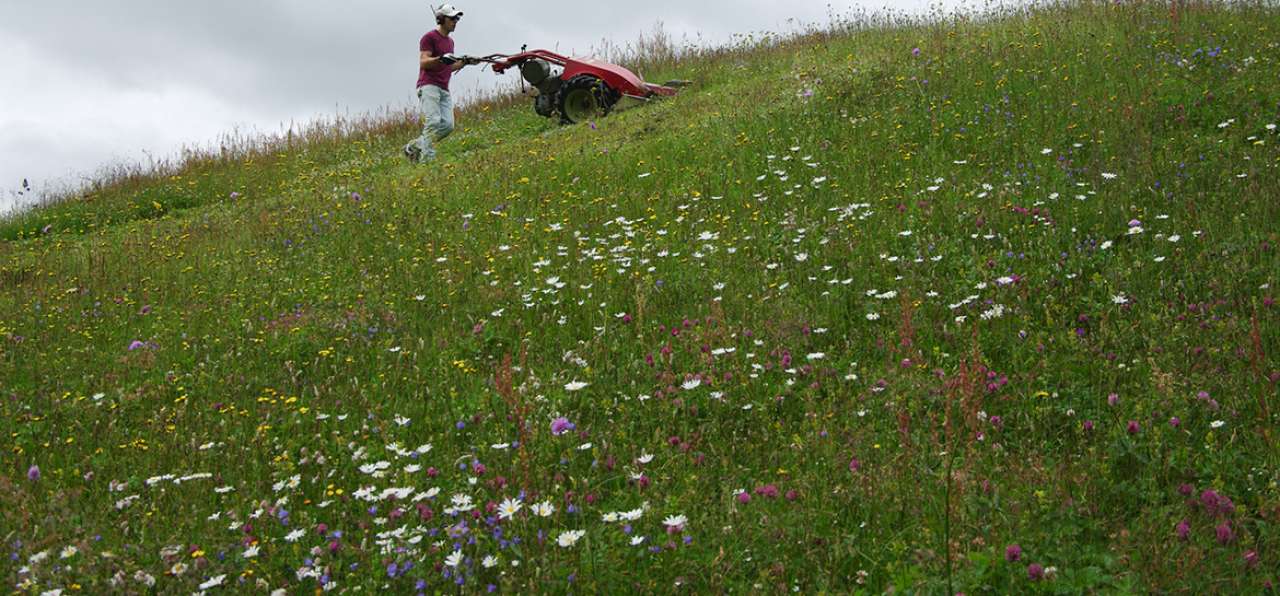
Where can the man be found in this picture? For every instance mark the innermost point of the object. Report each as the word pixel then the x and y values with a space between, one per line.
pixel 436 64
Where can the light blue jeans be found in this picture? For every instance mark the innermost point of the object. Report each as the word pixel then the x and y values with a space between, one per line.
pixel 437 120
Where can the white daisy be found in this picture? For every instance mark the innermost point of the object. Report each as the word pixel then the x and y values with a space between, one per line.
pixel 574 385
pixel 570 537
pixel 632 515
pixel 544 509
pixel 454 559
pixel 509 508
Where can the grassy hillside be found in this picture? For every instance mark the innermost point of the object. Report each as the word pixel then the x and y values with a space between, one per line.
pixel 979 305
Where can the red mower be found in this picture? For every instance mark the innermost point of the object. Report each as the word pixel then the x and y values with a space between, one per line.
pixel 579 89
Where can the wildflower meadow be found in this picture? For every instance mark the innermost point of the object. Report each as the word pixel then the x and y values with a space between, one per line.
pixel 978 302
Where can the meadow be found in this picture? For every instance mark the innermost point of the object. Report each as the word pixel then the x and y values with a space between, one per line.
pixel 977 303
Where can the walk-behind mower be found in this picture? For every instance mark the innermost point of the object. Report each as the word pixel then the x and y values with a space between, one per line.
pixel 579 89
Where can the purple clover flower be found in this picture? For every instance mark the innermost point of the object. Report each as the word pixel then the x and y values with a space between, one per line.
pixel 561 425
pixel 1035 572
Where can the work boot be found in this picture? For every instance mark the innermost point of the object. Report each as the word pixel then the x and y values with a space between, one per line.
pixel 413 152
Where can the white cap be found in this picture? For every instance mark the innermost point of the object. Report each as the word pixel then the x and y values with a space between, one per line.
pixel 448 10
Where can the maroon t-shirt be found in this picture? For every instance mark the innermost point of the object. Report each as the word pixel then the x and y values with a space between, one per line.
pixel 437 45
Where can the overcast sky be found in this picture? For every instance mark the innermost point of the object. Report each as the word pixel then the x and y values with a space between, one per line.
pixel 89 84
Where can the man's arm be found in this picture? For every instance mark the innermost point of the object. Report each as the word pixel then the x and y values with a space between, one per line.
pixel 426 61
